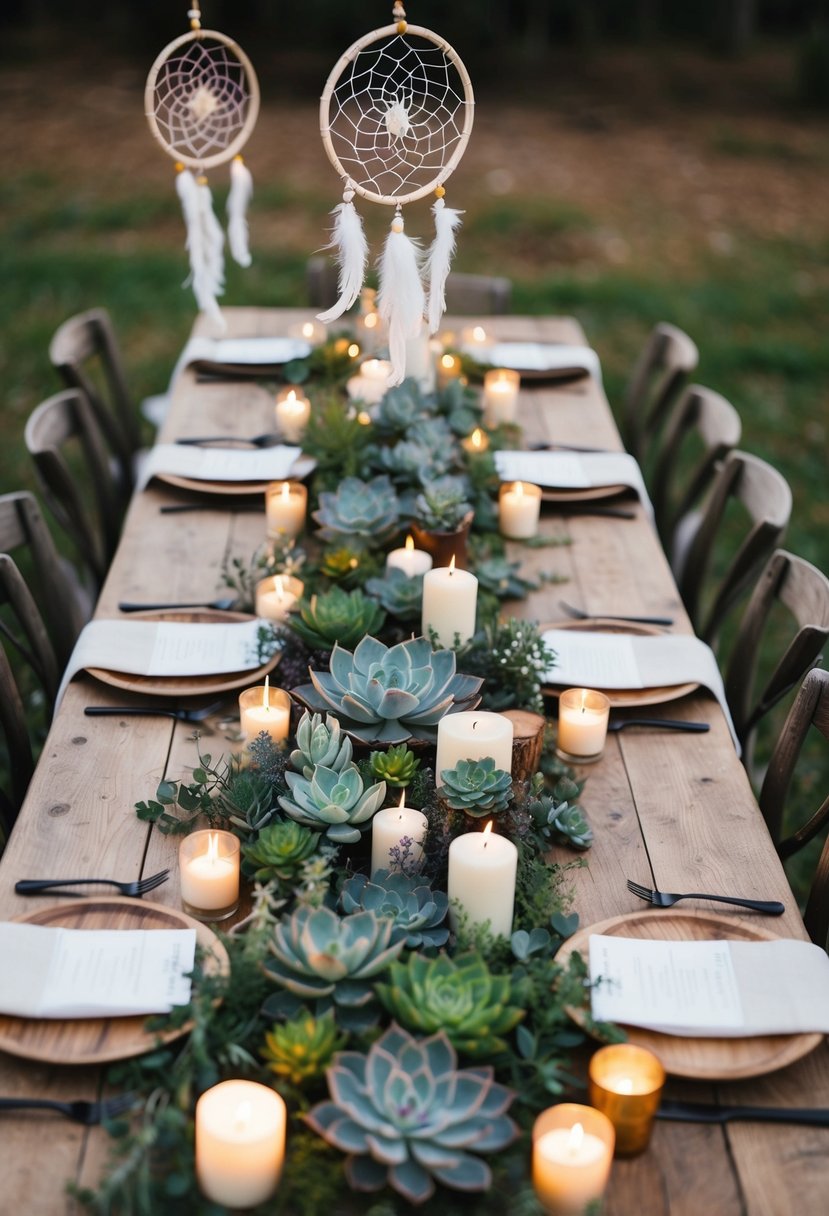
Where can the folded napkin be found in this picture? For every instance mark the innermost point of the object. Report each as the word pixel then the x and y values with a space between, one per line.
pixel 88 973
pixel 239 356
pixel 541 359
pixel 592 659
pixel 222 464
pixel 573 471
pixel 719 989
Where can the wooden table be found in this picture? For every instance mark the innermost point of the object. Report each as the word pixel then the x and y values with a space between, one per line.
pixel 677 809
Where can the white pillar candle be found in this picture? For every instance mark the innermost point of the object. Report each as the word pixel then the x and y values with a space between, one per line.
pixel 293 410
pixel 265 708
pixel 240 1143
pixel 408 559
pixel 572 1155
pixel 471 735
pixel 450 599
pixel 482 869
pixel 582 724
pixel 501 387
pixel 420 363
pixel 276 596
pixel 475 443
pixel 286 504
pixel 371 382
pixel 389 826
pixel 519 509
pixel 209 874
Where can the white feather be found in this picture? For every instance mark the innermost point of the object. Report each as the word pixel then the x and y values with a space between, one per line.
pixel 400 296
pixel 349 240
pixel 439 259
pixel 205 241
pixel 241 192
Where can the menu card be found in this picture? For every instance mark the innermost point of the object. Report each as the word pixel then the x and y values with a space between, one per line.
pixel 713 989
pixel 573 470
pixel 219 464
pixel 87 973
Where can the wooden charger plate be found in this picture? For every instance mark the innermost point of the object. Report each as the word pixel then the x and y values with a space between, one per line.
pixel 302 466
pixel 622 698
pixel 100 1040
pixel 187 686
pixel 584 494
pixel 700 1059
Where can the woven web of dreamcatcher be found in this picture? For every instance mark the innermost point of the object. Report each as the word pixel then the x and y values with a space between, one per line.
pixel 397 116
pixel 202 101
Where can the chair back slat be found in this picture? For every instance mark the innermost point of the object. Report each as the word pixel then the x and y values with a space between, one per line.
pixel 661 371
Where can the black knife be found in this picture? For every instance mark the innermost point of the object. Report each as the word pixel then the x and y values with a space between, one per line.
pixel 705 1112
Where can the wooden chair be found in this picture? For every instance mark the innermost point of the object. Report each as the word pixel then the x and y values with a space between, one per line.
pixel 766 499
pixel 660 373
pixel 54 428
pixel 472 294
pixel 19 759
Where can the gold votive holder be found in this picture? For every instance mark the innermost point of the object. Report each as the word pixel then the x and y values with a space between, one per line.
pixel 572 1153
pixel 626 1085
pixel 583 715
pixel 209 874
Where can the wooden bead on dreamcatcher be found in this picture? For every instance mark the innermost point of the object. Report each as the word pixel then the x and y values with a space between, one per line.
pixel 395 118
pixel 202 101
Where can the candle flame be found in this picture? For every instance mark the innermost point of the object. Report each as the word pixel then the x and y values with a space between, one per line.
pixel 370 320
pixel 363 418
pixel 447 361
pixel 266 693
pixel 286 491
pixel 624 1085
pixel 452 565
pixel 576 1138
pixel 477 438
pixel 213 848
pixel 308 329
pixel 479 333
pixel 518 489
pixel 290 396
pixel 487 832
pixel 279 587
pixel 409 543
pixel 402 803
pixel 243 1116
pixel 353 350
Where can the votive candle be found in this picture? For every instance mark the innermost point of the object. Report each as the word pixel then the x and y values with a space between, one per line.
pixel 449 367
pixel 571 1158
pixel 473 734
pixel 286 505
pixel 388 828
pixel 450 600
pixel 519 510
pixel 482 870
pixel 293 409
pixel 501 386
pixel 209 874
pixel 312 331
pixel 408 559
pixel 626 1085
pixel 371 382
pixel 277 595
pixel 582 725
pixel 476 443
pixel 240 1143
pixel 265 708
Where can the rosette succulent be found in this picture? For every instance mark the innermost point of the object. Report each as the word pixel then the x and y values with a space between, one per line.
pixel 399 594
pixel 407 1116
pixel 418 912
pixel 476 787
pixel 319 742
pixel 460 994
pixel 558 818
pixel 396 766
pixel 400 407
pixel 364 513
pixel 302 1049
pixel 333 802
pixel 336 616
pixel 279 850
pixel 443 504
pixel 385 694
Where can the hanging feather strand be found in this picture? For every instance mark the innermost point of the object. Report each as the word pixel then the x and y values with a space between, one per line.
pixel 205 241
pixel 439 259
pixel 241 192
pixel 350 242
pixel 400 296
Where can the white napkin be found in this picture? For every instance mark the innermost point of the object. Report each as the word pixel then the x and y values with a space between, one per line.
pixel 240 352
pixel 87 973
pixel 573 471
pixel 540 357
pixel 220 464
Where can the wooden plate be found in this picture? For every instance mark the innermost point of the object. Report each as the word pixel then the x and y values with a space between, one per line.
pixel 621 698
pixel 99 1040
pixel 585 494
pixel 300 469
pixel 700 1059
pixel 186 686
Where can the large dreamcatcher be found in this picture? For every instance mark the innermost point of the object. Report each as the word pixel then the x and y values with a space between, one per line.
pixel 395 119
pixel 202 101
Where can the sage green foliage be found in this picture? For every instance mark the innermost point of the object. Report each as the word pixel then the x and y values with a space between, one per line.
pixel 366 514
pixel 443 504
pixel 557 817
pixel 300 1050
pixel 336 441
pixel 399 408
pixel 220 797
pixel 461 406
pixel 336 616
pixel 476 787
pixel 400 595
pixel 322 742
pixel 396 766
pixel 333 801
pixel 279 850
pixel 418 912
pixel 512 659
pixel 460 995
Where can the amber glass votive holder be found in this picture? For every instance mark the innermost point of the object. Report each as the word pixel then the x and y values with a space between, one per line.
pixel 626 1084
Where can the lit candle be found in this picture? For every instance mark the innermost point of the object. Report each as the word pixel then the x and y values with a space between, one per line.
pixel 265 708
pixel 501 387
pixel 471 735
pixel 286 504
pixel 626 1085
pixel 408 559
pixel 292 413
pixel 519 508
pixel 371 382
pixel 311 331
pixel 572 1155
pixel 209 874
pixel 482 869
pixel 276 596
pixel 475 340
pixel 448 368
pixel 240 1143
pixel 582 725
pixel 475 443
pixel 389 826
pixel 450 599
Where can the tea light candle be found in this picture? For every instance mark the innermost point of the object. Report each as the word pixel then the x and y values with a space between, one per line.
pixel 482 869
pixel 286 504
pixel 501 387
pixel 389 826
pixel 448 368
pixel 582 725
pixel 475 443
pixel 209 874
pixel 371 382
pixel 519 509
pixel 408 559
pixel 476 340
pixel 312 331
pixel 240 1143
pixel 572 1155
pixel 450 600
pixel 292 413
pixel 276 596
pixel 471 735
pixel 265 708
pixel 626 1085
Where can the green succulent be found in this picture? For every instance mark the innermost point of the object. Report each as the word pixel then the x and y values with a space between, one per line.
pixel 418 912
pixel 302 1049
pixel 461 406
pixel 396 766
pixel 248 801
pixel 400 595
pixel 336 616
pixel 558 818
pixel 364 514
pixel 344 567
pixel 476 787
pixel 333 801
pixel 279 851
pixel 319 742
pixel 385 694
pixel 459 995
pixel 406 460
pixel 399 408
pixel 443 504
pixel 407 1116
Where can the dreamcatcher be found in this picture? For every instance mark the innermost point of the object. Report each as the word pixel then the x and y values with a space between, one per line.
pixel 202 101
pixel 395 118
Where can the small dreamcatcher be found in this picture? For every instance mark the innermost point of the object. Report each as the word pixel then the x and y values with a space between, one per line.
pixel 395 117
pixel 202 102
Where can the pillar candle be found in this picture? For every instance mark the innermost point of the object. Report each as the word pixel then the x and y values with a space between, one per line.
pixel 293 410
pixel 286 504
pixel 572 1155
pixel 519 508
pixel 501 387
pixel 482 869
pixel 240 1143
pixel 265 708
pixel 626 1085
pixel 371 382
pixel 408 559
pixel 450 599
pixel 209 874
pixel 471 735
pixel 389 826
pixel 276 596
pixel 582 725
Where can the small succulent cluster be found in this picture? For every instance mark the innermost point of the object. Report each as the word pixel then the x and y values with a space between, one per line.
pixel 333 801
pixel 476 787
pixel 336 616
pixel 364 514
pixel 443 505
pixel 558 819
pixel 320 742
pixel 396 766
pixel 417 911
pixel 399 594
pixel 278 852
pixel 301 1049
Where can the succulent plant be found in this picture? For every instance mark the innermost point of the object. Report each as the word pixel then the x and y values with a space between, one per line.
pixel 336 616
pixel 400 407
pixel 396 766
pixel 391 694
pixel 399 594
pixel 418 912
pixel 406 460
pixel 459 994
pixel 361 513
pixel 461 406
pixel 476 787
pixel 561 823
pixel 279 851
pixel 443 504
pixel 319 742
pixel 300 1050
pixel 333 801
pixel 408 1116
pixel 345 567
